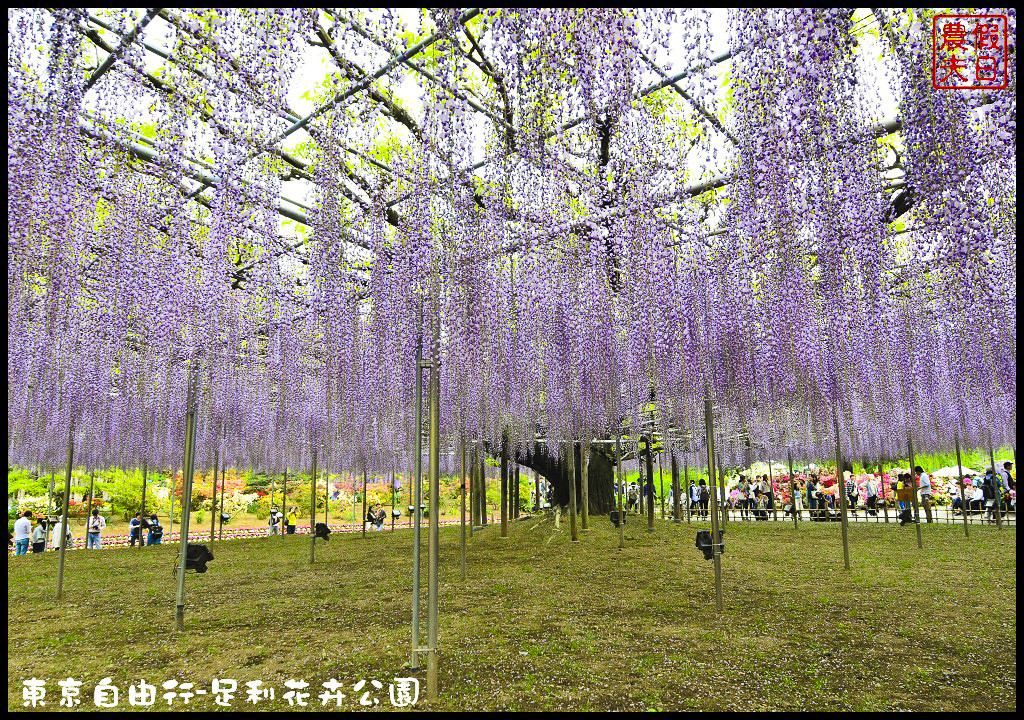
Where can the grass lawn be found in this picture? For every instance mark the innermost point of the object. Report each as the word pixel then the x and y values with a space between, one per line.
pixel 542 623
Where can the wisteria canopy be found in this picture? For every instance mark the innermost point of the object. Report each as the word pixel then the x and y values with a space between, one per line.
pixel 587 219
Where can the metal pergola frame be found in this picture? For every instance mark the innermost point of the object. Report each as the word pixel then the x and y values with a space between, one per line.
pixel 355 188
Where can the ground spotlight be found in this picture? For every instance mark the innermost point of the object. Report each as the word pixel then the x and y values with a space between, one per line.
pixel 196 557
pixel 705 545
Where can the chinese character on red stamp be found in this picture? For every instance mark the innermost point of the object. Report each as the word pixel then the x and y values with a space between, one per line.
pixel 969 52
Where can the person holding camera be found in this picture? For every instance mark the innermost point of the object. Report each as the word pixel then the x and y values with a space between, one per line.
pixel 96 525
pixel 292 520
pixel 275 518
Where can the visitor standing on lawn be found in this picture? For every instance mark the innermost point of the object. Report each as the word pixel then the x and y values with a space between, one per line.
pixel 96 525
pixel 925 485
pixel 851 491
pixel 22 533
pixel 60 529
pixel 872 493
pixel 292 519
pixel 39 537
pixel 134 529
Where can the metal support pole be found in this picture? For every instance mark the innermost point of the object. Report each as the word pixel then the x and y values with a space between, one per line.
pixel 472 489
pixel 284 503
pixel 773 494
pixel 622 491
pixel 537 491
pixel 49 498
pixel 913 490
pixel 585 484
pixel 841 482
pixel 792 488
pixel 995 482
pixel 515 491
pixel 686 485
pixel 721 491
pixel 213 499
pixel 504 485
pixel 650 482
pixel 462 509
pixel 960 476
pixel 143 510
pixel 485 520
pixel 661 484
pixel 88 509
pixel 312 511
pixel 364 499
pixel 220 520
pixel 709 427
pixel 417 490
pixel 674 467
pixel 170 520
pixel 570 458
pixel 433 539
pixel 63 537
pixel 881 484
pixel 186 501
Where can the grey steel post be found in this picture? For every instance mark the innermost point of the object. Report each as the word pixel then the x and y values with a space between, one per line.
pixel 774 495
pixel 622 490
pixel 720 469
pixel 661 484
pixel 88 509
pixel 536 489
pixel 63 537
pixel 472 490
pixel 170 520
pixel 686 484
pixel 213 499
pixel 709 427
pixel 416 515
pixel 49 498
pixel 841 482
pixel 570 463
pixel 650 481
pixel 186 500
pixel 584 484
pixel 504 485
pixel 913 490
pixel 312 511
pixel 220 521
pixel 881 485
pixel 143 510
pixel 674 467
pixel 792 487
pixel 284 503
pixel 433 544
pixel 364 499
pixel 462 510
pixel 995 482
pixel 960 476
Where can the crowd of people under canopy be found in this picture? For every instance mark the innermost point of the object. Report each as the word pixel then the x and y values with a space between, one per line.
pixel 755 496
